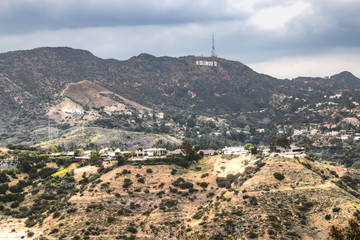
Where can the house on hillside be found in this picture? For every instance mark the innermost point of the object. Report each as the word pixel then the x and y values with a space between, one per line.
pixel 70 154
pixel 10 161
pixel 293 151
pixel 149 153
pixel 108 153
pixel 56 154
pixel 154 152
pixel 234 150
pixel 81 158
pixel 301 132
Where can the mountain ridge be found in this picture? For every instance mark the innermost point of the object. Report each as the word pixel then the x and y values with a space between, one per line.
pixel 32 80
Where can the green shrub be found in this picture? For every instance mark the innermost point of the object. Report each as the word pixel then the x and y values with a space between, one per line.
pixel 180 182
pixel 16 189
pixel 125 171
pixel 223 182
pixel 11 197
pixel 204 184
pixel 279 176
pixel 336 209
pixel 127 183
pixel 198 215
pixel 30 223
pixel 46 172
pixel 3 188
pixel 253 235
pixel 56 214
pixel 14 205
pixel 111 219
pixel 204 175
pixel 167 204
pixel 132 228
pixel 3 177
pixel 141 180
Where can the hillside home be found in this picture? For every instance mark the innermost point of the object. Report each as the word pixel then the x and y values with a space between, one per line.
pixel 10 161
pixel 314 131
pixel 234 150
pixel 56 154
pixel 81 158
pixel 344 137
pixel 154 152
pixel 301 132
pixel 72 111
pixel 338 95
pixel 293 151
pixel 260 130
pixel 106 152
pixel 333 133
pixel 70 154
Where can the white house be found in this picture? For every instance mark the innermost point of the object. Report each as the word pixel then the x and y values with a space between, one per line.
pixel 154 152
pixel 234 150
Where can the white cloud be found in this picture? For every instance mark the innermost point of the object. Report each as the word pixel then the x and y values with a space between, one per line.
pixel 276 17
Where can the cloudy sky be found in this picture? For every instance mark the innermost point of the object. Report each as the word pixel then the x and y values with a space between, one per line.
pixel 283 38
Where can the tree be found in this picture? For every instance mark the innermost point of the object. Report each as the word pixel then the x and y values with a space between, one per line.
pixel 79 152
pixel 306 142
pixel 54 149
pixel 284 142
pixel 25 163
pixel 250 147
pixel 274 140
pixel 121 159
pixel 95 158
pixel 188 150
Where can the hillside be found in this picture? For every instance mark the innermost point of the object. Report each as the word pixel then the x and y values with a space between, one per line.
pixel 36 84
pixel 87 136
pixel 165 200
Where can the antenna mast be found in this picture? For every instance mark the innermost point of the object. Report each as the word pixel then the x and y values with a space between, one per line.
pixel 213 54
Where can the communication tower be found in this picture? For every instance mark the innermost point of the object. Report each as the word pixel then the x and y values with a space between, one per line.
pixel 213 54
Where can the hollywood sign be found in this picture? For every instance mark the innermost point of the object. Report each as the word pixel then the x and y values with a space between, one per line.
pixel 206 63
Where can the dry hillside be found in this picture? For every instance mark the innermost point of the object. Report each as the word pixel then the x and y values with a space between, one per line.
pixel 272 199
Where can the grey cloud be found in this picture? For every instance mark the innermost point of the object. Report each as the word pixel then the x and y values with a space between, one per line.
pixel 322 28
pixel 177 27
pixel 25 16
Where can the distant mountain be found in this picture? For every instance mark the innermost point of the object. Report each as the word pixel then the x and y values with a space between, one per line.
pixel 145 79
pixel 34 81
pixel 343 80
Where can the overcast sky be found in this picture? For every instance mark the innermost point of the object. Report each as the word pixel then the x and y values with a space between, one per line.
pixel 282 38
